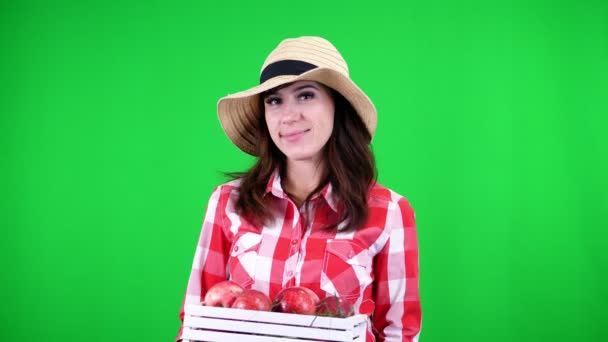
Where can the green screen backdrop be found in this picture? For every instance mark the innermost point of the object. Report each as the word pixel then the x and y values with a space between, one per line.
pixel 492 122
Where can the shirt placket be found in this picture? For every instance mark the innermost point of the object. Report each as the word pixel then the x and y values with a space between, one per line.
pixel 300 225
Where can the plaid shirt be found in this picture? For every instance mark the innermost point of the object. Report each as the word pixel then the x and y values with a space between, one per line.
pixel 375 268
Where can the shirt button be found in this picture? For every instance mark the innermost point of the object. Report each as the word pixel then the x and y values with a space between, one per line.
pixel 290 273
pixel 236 248
pixel 294 242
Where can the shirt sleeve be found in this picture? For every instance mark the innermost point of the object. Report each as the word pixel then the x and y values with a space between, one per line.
pixel 210 258
pixel 397 315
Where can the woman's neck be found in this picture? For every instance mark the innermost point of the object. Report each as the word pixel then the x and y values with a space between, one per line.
pixel 302 178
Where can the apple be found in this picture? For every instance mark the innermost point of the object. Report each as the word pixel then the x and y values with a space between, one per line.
pixel 296 299
pixel 222 294
pixel 334 306
pixel 252 300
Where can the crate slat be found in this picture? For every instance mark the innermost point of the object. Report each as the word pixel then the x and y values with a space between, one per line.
pixel 275 317
pixel 268 329
pixel 215 336
pixel 203 323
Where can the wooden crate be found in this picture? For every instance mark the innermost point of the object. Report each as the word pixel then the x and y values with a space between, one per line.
pixel 204 323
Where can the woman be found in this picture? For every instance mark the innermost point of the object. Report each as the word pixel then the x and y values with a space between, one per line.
pixel 309 212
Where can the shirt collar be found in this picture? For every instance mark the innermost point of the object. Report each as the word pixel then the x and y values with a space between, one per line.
pixel 275 187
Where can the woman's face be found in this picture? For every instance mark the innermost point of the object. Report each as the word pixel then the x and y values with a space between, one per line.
pixel 300 119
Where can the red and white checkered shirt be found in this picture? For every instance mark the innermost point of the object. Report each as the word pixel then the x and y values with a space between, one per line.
pixel 375 267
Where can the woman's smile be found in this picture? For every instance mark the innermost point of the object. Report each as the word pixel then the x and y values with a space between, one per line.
pixel 293 136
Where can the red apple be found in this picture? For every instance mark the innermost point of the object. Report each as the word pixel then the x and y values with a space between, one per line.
pixel 296 299
pixel 334 306
pixel 252 300
pixel 222 294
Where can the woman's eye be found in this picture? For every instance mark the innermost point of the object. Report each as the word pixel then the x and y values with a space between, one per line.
pixel 306 96
pixel 272 100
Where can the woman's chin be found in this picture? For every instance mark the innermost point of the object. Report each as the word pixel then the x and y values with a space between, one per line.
pixel 301 156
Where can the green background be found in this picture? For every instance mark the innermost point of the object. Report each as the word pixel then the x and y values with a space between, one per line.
pixel 492 122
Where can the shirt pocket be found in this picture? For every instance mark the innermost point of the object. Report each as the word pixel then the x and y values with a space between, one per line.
pixel 243 257
pixel 347 266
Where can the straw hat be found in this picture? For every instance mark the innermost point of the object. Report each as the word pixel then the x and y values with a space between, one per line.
pixel 294 59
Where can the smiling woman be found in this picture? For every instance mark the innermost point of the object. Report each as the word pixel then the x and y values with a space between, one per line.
pixel 310 213
pixel 300 119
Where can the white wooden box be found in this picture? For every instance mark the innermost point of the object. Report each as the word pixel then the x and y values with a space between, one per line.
pixel 205 323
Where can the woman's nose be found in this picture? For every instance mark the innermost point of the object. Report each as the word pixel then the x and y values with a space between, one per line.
pixel 290 113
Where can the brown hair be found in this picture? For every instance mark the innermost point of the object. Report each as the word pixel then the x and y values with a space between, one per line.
pixel 350 168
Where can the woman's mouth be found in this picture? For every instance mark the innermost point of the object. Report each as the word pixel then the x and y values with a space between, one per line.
pixel 294 135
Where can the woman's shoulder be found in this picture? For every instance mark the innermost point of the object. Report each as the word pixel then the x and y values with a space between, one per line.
pixel 380 195
pixel 389 210
pixel 228 189
pixel 232 185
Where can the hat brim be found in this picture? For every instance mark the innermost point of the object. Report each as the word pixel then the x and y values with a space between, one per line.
pixel 239 113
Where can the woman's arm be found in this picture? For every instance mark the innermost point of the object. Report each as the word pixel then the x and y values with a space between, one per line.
pixel 397 316
pixel 209 265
